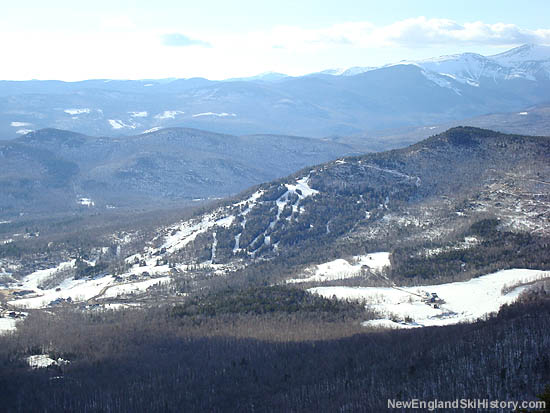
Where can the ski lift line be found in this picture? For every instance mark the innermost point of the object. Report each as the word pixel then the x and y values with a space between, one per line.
pixel 405 291
pixel 391 284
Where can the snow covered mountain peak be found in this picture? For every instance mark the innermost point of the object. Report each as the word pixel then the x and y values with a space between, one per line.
pixel 467 68
pixel 350 71
pixel 529 62
pixel 522 54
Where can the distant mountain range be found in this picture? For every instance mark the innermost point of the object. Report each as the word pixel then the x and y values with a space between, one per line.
pixel 337 102
pixel 52 170
pixel 529 62
pixel 534 120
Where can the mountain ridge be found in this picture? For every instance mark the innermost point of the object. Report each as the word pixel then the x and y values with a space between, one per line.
pixel 315 105
pixel 433 194
pixel 165 166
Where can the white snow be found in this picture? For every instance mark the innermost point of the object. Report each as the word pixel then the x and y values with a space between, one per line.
pixel 351 71
pixel 119 306
pixel 187 231
pixel 31 281
pixel 523 113
pixel 250 203
pixel 86 202
pixel 333 72
pixel 523 54
pixel 463 301
pixel 251 200
pixel 43 360
pixel 220 115
pixel 303 185
pixel 156 128
pixel 468 242
pixel 385 323
pixel 301 189
pixel 439 80
pixel 118 124
pixel 77 290
pixel 142 114
pixel 77 111
pixel 395 173
pixel 466 68
pixel 225 222
pixel 169 114
pixel 20 124
pixel 83 289
pixel 7 325
pixel 24 131
pixel 133 287
pixel 357 70
pixel 470 68
pixel 340 269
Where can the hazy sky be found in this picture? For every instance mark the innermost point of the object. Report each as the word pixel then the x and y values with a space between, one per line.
pixel 74 40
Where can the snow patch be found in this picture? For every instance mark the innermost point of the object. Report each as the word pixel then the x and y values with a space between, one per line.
pixel 384 323
pixel 134 287
pixel 187 231
pixel 7 325
pixel 77 111
pixel 169 114
pixel 441 81
pixel 142 114
pixel 340 269
pixel 31 281
pixel 43 360
pixel 220 115
pixel 24 131
pixel 156 128
pixel 118 124
pixel 87 202
pixel 302 185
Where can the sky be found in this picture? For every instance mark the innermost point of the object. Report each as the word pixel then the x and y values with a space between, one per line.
pixel 76 40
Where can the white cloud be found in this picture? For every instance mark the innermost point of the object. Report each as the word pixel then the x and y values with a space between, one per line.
pixel 117 23
pixel 136 53
pixel 415 32
pixel 424 32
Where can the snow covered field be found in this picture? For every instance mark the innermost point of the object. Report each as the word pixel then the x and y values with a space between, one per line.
pixel 77 290
pixel 461 301
pixel 133 288
pixel 340 269
pixel 7 324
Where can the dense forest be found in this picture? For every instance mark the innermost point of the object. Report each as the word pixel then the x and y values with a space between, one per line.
pixel 238 353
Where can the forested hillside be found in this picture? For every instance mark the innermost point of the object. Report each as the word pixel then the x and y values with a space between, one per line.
pixel 156 362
